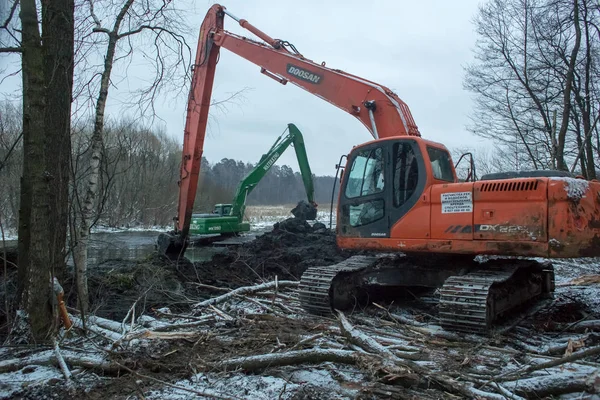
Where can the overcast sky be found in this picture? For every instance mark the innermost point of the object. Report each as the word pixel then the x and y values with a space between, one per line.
pixel 418 49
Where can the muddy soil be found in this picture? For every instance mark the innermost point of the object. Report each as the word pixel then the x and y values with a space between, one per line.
pixel 286 252
pixel 155 282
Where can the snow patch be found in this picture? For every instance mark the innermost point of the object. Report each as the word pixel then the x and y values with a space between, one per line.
pixel 12 383
pixel 249 387
pixel 258 387
pixel 265 222
pixel 554 242
pixel 575 188
pixel 109 229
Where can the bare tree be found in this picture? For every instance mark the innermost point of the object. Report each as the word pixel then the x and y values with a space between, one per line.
pixel 527 78
pixel 160 22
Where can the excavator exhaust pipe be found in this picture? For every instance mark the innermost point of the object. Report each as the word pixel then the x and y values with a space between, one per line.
pixel 171 245
pixel 305 211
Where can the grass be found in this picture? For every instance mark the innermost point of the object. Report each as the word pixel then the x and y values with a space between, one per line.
pixel 257 214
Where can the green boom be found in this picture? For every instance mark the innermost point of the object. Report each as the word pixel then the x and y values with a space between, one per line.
pixel 228 218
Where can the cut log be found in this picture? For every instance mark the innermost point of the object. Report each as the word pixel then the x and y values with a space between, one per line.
pixel 551 385
pixel 312 356
pixel 48 357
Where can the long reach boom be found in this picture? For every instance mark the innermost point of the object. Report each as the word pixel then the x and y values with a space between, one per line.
pixel 380 110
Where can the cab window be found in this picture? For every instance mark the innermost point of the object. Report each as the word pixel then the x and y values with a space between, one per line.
pixel 406 173
pixel 366 174
pixel 440 164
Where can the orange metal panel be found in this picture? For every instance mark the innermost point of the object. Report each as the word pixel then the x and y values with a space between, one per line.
pixel 492 247
pixel 511 210
pixel 574 215
pixel 452 211
pixel 415 224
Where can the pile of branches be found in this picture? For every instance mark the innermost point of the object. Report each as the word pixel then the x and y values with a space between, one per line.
pixel 399 354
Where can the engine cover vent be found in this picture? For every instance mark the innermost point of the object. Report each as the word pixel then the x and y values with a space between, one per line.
pixel 509 186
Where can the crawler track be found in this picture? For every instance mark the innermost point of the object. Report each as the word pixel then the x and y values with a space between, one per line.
pixel 316 283
pixel 470 302
pixel 473 302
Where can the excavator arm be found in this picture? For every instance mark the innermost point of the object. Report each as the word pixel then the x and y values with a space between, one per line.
pixel 264 165
pixel 381 111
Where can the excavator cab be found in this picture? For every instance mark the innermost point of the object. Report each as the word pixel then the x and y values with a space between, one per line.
pixel 384 179
pixel 222 209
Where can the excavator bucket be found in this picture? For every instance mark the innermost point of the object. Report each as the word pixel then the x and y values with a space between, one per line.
pixel 305 211
pixel 171 245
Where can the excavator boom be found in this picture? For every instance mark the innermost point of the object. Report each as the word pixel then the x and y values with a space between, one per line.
pixel 380 110
pixel 264 165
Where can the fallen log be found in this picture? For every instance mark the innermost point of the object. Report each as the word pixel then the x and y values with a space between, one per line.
pixel 246 290
pixel 61 361
pixel 106 333
pixel 581 326
pixel 172 327
pixel 548 364
pixel 48 357
pixel 314 356
pixel 551 385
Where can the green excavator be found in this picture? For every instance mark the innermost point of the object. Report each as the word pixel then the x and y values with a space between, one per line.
pixel 228 219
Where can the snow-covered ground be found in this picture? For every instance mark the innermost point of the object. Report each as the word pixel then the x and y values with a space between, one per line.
pixel 267 325
pixel 262 218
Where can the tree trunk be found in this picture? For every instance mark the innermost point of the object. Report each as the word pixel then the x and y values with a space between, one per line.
pixel 47 79
pixel 34 251
pixel 587 114
pixel 566 111
pixel 58 40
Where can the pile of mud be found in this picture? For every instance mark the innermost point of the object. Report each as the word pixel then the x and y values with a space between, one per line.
pixel 286 252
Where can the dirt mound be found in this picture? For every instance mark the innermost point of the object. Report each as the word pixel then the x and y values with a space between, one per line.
pixel 287 251
pixel 305 211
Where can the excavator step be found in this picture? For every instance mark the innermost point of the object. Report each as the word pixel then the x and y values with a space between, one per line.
pixel 315 286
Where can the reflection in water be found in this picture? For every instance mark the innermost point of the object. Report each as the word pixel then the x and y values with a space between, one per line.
pixel 134 246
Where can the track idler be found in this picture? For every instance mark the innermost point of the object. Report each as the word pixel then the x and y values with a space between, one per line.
pixel 171 245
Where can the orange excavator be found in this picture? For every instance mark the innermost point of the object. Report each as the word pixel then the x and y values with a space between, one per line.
pixel 399 193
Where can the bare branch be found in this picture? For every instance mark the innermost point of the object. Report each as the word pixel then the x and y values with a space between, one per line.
pixel 7 156
pixel 94 17
pixel 11 50
pixel 153 28
pixel 10 14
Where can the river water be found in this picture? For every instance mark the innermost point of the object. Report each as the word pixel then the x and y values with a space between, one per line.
pixel 136 245
pixel 130 245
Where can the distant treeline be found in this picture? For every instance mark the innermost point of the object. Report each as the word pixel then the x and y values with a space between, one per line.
pixel 281 185
pixel 140 171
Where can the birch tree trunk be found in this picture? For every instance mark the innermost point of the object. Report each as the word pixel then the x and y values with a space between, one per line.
pixel 80 249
